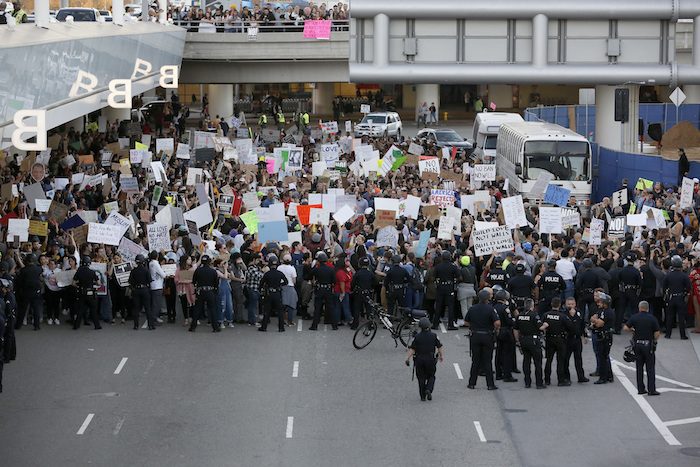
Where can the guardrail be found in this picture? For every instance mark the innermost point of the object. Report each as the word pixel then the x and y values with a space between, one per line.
pixel 250 28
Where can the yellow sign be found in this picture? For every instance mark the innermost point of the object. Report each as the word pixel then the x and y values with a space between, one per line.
pixel 140 146
pixel 38 228
pixel 643 184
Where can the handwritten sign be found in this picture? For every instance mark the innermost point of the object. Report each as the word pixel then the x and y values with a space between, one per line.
pixel 541 183
pixel 550 220
pixel 514 211
pixel 597 226
pixel 483 173
pixel 104 233
pixel 442 198
pixel 491 239
pixel 687 193
pixel 557 195
pixel 158 237
pixel 431 164
pixel 570 218
pixel 317 29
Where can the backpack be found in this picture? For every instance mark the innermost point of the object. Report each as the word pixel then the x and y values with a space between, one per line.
pixel 416 280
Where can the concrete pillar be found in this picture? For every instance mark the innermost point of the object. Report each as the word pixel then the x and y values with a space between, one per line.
pixel 145 4
pixel 322 99
pixel 692 92
pixel 540 33
pixel 428 93
pixel 41 13
pixel 163 14
pixel 118 12
pixel 112 114
pixel 380 40
pixel 220 100
pixel 409 96
pixel 608 132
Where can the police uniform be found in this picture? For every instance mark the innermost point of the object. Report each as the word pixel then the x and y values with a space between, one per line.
pixel 271 284
pixel 424 345
pixel 604 337
pixel 324 279
pixel 140 282
pixel 3 323
pixel 395 283
pixel 206 285
pixel 520 287
pixel 630 286
pixel 29 294
pixel 481 319
pixel 86 280
pixel 528 326
pixel 551 285
pixel 645 325
pixel 9 346
pixel 362 285
pixel 447 274
pixel 497 276
pixel 676 286
pixel 505 352
pixel 586 283
pixel 574 346
pixel 555 344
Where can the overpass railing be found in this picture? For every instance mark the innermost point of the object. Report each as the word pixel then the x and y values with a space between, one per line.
pixel 250 28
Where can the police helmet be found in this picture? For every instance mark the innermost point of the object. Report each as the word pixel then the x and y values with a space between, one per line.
pixel 140 259
pixel 446 255
pixel 206 259
pixel 484 295
pixel 6 283
pixel 498 261
pixel 587 263
pixel 497 287
pixel 396 259
pixel 629 356
pixel 552 263
pixel 86 260
pixel 363 262
pixel 630 256
pixel 424 323
pixel 321 256
pixel 502 295
pixel 605 298
pixel 520 268
pixel 676 262
pixel 272 259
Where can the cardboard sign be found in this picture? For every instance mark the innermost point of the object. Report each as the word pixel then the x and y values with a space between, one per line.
pixel 483 173
pixel 596 231
pixel 104 233
pixel 384 217
pixel 492 239
pixel 57 212
pixel 430 164
pixel 431 211
pixel 38 228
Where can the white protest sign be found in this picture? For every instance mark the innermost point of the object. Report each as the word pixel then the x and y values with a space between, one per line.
pixel 329 127
pixel 597 226
pixel 550 220
pixel 183 151
pixel 541 183
pixel 201 215
pixel 344 214
pixel 167 145
pixel 483 173
pixel 636 220
pixel 687 193
pixel 445 228
pixel 409 207
pixel 619 198
pixel 158 237
pixel 388 236
pixel 117 219
pixel 104 233
pixel 570 218
pixel 128 250
pixel 319 216
pixel 514 211
pixel 415 149
pixel 616 227
pixel 364 108
pixel 491 239
pixel 43 205
pixel 330 153
pixel 429 165
pixel 194 176
pixel 18 228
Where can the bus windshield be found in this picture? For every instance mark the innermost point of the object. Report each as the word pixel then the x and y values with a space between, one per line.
pixel 491 142
pixel 566 160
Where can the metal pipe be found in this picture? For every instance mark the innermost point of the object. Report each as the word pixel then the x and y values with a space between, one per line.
pixel 540 35
pixel 145 6
pixel 519 9
pixel 41 13
pixel 696 41
pixel 118 12
pixel 432 73
pixel 380 39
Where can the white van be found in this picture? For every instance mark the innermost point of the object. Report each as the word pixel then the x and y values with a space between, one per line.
pixel 526 149
pixel 486 125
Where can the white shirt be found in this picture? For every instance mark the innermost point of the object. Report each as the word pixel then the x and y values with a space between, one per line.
pixel 289 272
pixel 566 269
pixel 157 275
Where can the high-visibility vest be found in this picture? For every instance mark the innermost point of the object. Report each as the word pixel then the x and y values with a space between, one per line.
pixel 263 119
pixel 305 118
pixel 280 117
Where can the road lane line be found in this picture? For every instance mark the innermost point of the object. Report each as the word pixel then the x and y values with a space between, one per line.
pixel 458 371
pixel 118 428
pixel 457 336
pixel 85 424
pixel 682 421
pixel 145 324
pixel 645 406
pixel 661 378
pixel 121 365
pixel 290 426
pixel 295 369
pixel 479 431
pixel 442 328
pixel 300 323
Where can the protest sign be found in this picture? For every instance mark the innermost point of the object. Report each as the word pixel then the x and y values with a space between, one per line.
pixel 117 219
pixel 543 179
pixel 636 220
pixel 317 29
pixel 122 272
pixel 422 246
pixel 384 217
pixel 43 205
pixel 557 195
pixel 687 193
pixel 483 173
pixel 409 207
pixel 344 214
pixel 128 250
pixel 643 184
pixel 491 239
pixel 158 237
pixel 18 228
pixel 319 216
pixel 329 127
pixel 430 164
pixel 388 236
pixel 183 151
pixel 616 228
pixel 570 218
pixel 445 228
pixel 295 159
pixel 38 228
pixel 442 198
pixel 32 193
pixel 57 212
pixel 201 215
pixel 416 149
pixel 514 211
pixel 330 153
pixel 226 204
pixel 550 220
pixel 104 233
pixel 619 198
pixel 129 184
pixel 250 219
pixel 596 231
pixel 64 278
pixel 166 145
pixel 272 231
pixel 304 212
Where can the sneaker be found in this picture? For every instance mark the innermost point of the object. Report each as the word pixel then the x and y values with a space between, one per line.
pixel 159 321
pixel 230 324
pixel 49 322
pixel 119 315
pixel 24 322
pixel 56 322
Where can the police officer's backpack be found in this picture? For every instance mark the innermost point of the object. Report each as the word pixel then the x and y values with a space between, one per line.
pixel 416 280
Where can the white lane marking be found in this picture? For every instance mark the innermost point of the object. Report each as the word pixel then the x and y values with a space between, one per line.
pixel 682 421
pixel 688 391
pixel 120 367
pixel 118 428
pixel 645 406
pixel 442 328
pixel 295 369
pixel 299 325
pixel 458 371
pixel 145 324
pixel 290 426
pixel 662 378
pixel 85 424
pixel 479 431
pixel 457 336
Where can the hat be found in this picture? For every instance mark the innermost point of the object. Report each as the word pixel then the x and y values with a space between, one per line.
pixel 520 268
pixel 465 260
pixel 695 180
pixel 171 256
pixel 527 247
pixel 368 211
pixel 316 238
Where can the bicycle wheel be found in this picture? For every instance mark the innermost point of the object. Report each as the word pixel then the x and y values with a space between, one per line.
pixel 406 332
pixel 364 334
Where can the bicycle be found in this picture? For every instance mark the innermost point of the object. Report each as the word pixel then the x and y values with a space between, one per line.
pixel 405 331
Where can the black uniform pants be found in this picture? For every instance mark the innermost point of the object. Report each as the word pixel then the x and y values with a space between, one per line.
pixel 141 298
pixel 395 298
pixel 676 308
pixel 86 304
pixel 505 353
pixel 444 297
pixel 555 346
pixel 532 353
pixel 574 347
pixel 323 300
pixel 629 305
pixel 206 304
pixel 604 345
pixel 273 301
pixel 545 305
pixel 645 359
pixel 481 347
pixel 359 306
pixel 53 303
pixel 425 373
pixel 9 351
pixel 35 302
pixel 586 304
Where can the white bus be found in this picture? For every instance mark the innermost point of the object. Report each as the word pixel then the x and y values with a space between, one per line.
pixel 486 126
pixel 526 149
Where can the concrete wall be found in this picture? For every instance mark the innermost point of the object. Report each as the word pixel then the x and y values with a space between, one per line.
pixel 227 72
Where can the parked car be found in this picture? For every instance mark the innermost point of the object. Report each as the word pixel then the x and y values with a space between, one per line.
pixel 149 110
pixel 445 138
pixel 78 14
pixel 379 124
pixel 107 15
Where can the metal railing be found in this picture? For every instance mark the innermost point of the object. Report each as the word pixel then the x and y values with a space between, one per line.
pixel 250 27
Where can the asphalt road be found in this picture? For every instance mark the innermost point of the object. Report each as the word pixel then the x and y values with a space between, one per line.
pixel 302 398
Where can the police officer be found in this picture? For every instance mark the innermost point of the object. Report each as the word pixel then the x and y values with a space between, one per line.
pixel 676 287
pixel 3 323
pixel 324 278
pixel 7 297
pixel 140 282
pixel 496 274
pixel 362 285
pixel 29 292
pixel 422 349
pixel 603 325
pixel 395 283
pixel 206 286
pixel 630 285
pixel 483 321
pixel 646 333
pixel 85 281
pixel 587 280
pixel 528 326
pixel 551 285
pixel 574 346
pixel 556 325
pixel 272 283
pixel 447 274
pixel 505 351
pixel 520 286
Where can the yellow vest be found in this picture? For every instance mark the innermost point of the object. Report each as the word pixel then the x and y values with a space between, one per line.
pixel 280 117
pixel 263 119
pixel 305 118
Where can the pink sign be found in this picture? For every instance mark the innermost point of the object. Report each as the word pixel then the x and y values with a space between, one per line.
pixel 270 163
pixel 317 29
pixel 492 106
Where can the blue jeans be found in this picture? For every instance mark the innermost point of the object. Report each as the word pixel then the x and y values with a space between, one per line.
pixel 418 296
pixel 410 297
pixel 226 301
pixel 596 351
pixel 343 307
pixel 252 305
pixel 569 290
